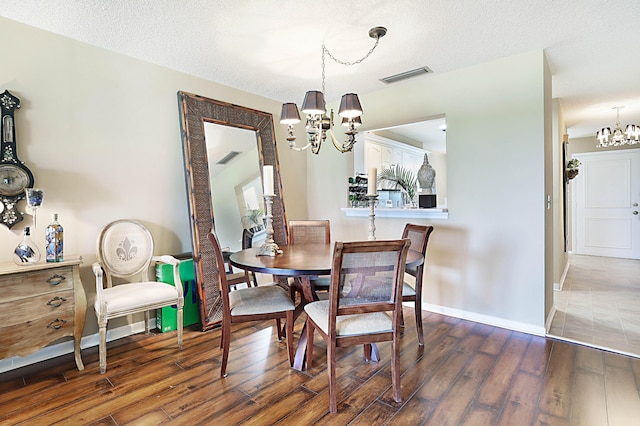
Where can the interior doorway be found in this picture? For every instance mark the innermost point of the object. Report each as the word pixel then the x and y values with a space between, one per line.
pixel 606 195
pixel 599 304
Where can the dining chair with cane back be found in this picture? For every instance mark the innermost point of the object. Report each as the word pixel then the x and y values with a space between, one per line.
pixel 244 277
pixel 364 305
pixel 419 237
pixel 125 253
pixel 247 242
pixel 259 303
pixel 310 232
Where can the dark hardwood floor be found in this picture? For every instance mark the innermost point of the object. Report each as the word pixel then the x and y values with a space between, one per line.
pixel 467 374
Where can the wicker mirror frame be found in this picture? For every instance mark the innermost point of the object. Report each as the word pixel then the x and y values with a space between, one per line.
pixel 195 110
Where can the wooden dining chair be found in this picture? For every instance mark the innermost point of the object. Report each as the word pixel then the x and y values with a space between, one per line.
pixel 244 277
pixel 310 232
pixel 364 305
pixel 247 242
pixel 260 303
pixel 419 237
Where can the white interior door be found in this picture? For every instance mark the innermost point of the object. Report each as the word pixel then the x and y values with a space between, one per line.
pixel 606 195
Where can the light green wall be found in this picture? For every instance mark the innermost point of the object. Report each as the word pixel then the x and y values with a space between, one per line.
pixel 488 258
pixel 101 133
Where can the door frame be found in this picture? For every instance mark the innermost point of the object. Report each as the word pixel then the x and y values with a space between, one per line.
pixel 574 195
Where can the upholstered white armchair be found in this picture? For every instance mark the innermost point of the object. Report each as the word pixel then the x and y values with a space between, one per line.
pixel 125 252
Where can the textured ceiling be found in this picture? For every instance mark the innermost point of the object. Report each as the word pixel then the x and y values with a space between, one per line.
pixel 273 48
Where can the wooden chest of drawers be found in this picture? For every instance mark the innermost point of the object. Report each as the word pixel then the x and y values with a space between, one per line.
pixel 40 304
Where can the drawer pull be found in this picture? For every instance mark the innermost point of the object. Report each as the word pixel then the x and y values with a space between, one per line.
pixel 56 301
pixel 56 324
pixel 56 279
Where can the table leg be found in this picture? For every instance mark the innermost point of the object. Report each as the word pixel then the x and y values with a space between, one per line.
pixel 301 351
pixel 308 295
pixel 308 290
pixel 371 352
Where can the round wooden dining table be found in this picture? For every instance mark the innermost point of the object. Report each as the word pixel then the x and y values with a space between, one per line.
pixel 301 262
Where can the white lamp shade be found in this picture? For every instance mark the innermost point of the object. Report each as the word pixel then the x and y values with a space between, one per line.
pixel 289 113
pixel 603 134
pixel 350 106
pixel 313 103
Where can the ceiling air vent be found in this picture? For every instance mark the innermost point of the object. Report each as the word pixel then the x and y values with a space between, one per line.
pixel 405 75
pixel 228 157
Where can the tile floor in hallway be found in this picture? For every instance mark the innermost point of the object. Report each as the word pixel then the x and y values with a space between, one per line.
pixel 599 304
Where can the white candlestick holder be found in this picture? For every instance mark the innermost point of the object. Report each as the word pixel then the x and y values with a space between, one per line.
pixel 269 248
pixel 372 199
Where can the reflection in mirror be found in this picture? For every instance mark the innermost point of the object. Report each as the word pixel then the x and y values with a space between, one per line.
pixel 236 184
pixel 195 112
pixel 405 145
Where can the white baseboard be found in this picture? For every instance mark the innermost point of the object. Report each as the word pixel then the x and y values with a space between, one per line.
pixel 66 347
pixel 552 313
pixel 558 286
pixel 487 319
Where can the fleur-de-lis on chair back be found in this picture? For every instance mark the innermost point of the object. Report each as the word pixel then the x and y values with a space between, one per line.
pixel 127 250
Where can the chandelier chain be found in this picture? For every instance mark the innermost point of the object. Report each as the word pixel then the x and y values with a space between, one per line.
pixel 347 63
pixel 319 124
pixel 324 49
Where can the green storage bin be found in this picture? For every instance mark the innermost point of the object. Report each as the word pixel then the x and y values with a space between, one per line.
pixel 166 318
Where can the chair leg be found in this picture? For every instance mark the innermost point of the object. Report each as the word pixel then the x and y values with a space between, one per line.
pixel 180 323
pixel 146 322
pixel 418 315
pixel 289 332
pixel 103 347
pixel 395 367
pixel 225 340
pixel 331 368
pixel 418 306
pixel 367 352
pixel 279 328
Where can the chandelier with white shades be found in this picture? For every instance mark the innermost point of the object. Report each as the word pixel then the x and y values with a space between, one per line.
pixel 318 123
pixel 630 136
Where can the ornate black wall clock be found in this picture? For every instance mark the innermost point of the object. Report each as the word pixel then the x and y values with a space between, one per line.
pixel 14 175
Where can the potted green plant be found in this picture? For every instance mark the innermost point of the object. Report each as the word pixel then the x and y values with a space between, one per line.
pixel 252 220
pixel 404 179
pixel 573 168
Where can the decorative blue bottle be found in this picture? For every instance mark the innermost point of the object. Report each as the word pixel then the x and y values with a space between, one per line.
pixel 26 253
pixel 54 240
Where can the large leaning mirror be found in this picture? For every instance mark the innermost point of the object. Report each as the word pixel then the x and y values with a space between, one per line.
pixel 212 131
